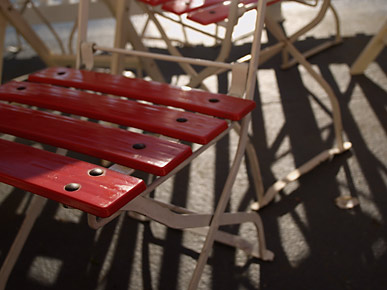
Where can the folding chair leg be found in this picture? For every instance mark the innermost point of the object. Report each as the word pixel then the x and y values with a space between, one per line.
pixel 20 24
pixel 279 185
pixel 35 208
pixel 183 219
pixel 3 26
pixel 225 48
pixel 150 65
pixel 224 199
pixel 342 146
pixel 371 51
pixel 184 31
pixel 195 222
pixel 171 215
pixel 258 251
pixel 327 88
pixel 286 63
pixel 172 49
pixel 254 167
pixel 278 33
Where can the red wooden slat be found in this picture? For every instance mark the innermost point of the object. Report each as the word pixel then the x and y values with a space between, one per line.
pixel 173 123
pixel 184 6
pixel 209 15
pixel 218 105
pixel 154 2
pixel 117 145
pixel 218 12
pixel 47 174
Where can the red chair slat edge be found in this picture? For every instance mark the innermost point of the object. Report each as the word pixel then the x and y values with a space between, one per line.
pixel 184 6
pixel 218 12
pixel 217 105
pixel 154 2
pixel 57 177
pixel 180 7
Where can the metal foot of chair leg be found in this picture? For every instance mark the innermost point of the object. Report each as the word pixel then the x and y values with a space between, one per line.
pixel 297 173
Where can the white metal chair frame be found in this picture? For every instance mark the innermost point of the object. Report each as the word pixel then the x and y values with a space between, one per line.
pixel 285 45
pixel 236 10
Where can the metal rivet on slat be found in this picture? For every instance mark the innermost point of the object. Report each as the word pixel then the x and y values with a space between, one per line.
pixel 139 146
pixel 96 172
pixel 213 100
pixel 181 120
pixel 72 186
pixel 21 88
pixel 61 73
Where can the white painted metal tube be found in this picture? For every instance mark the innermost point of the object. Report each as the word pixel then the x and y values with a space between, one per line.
pixel 193 61
pixel 83 17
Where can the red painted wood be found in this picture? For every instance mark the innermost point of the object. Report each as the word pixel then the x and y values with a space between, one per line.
pixel 46 174
pixel 217 13
pixel 184 6
pixel 153 2
pixel 158 157
pixel 177 124
pixel 218 105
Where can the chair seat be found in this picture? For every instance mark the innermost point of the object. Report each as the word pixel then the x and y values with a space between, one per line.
pixel 140 151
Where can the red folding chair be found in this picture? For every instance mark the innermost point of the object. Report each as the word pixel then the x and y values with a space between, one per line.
pixel 172 114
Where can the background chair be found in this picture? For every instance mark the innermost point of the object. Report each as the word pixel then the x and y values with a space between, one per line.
pixel 199 16
pixel 25 15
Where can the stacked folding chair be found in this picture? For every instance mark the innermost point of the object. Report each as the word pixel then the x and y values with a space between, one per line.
pixel 199 15
pixel 24 15
pixel 174 116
